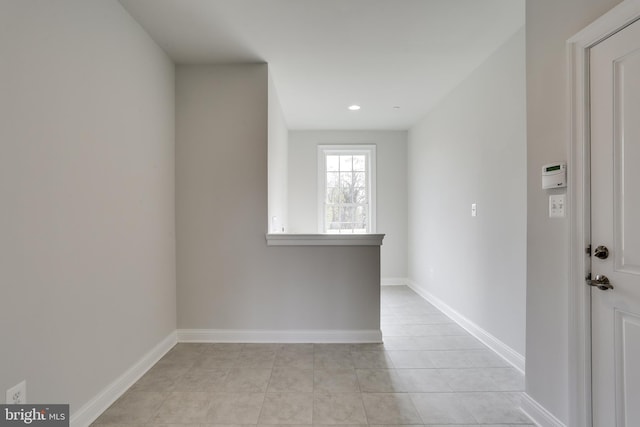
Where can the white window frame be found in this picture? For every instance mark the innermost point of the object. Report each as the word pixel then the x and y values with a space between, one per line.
pixel 342 149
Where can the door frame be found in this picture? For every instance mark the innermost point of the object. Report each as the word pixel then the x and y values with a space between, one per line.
pixel 579 203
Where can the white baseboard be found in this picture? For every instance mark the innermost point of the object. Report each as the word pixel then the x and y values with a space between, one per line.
pixel 503 350
pixel 537 413
pixel 99 403
pixel 283 336
pixel 394 281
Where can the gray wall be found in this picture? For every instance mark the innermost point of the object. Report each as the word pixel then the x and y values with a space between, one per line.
pixel 278 154
pixel 87 247
pixel 549 24
pixel 391 185
pixel 471 149
pixel 227 276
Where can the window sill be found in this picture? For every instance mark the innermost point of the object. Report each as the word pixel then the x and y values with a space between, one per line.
pixel 284 239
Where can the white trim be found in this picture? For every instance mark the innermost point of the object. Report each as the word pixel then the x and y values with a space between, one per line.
pixel 537 413
pixel 394 281
pixel 579 203
pixel 507 353
pixel 283 239
pixel 91 410
pixel 370 151
pixel 611 22
pixel 281 336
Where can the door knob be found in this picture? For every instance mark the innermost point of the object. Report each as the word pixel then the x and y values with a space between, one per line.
pixel 601 252
pixel 600 281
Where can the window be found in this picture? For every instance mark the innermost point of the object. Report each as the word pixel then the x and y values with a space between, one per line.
pixel 346 188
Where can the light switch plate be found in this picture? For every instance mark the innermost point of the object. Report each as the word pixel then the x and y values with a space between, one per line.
pixel 474 209
pixel 557 204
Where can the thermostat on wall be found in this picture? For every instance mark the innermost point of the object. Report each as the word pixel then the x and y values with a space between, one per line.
pixel 554 175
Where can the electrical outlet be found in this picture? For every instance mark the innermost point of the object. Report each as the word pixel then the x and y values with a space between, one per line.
pixel 17 395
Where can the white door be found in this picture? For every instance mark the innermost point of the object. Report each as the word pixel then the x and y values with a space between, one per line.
pixel 615 216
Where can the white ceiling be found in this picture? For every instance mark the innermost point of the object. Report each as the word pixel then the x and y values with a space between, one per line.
pixel 325 55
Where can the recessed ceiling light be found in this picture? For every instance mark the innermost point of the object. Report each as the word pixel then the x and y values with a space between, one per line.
pixel 396 107
pixel 354 107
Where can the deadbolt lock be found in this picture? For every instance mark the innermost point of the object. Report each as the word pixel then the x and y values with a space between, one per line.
pixel 601 252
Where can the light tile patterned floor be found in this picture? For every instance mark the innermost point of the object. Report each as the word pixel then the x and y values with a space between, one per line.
pixel 429 371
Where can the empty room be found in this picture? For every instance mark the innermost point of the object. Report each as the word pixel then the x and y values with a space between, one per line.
pixel 319 212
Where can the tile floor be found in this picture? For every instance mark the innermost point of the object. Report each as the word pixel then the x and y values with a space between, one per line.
pixel 429 371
